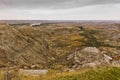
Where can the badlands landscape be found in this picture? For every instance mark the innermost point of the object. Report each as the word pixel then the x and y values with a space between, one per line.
pixel 86 50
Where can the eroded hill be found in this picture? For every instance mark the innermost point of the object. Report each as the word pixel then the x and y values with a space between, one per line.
pixel 58 46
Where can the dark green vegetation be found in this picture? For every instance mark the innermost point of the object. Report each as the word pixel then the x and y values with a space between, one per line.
pixel 110 73
pixel 91 40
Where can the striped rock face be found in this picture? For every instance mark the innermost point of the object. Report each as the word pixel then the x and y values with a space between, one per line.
pixel 33 72
pixel 91 50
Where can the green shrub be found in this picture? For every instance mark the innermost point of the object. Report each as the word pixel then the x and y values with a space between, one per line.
pixel 91 40
pixel 100 74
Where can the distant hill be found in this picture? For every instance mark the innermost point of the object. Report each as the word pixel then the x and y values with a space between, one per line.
pixel 60 21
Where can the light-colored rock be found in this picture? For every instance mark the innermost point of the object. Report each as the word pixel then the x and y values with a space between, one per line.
pixel 33 72
pixel 107 58
pixel 25 67
pixel 91 50
pixel 92 64
pixel 34 66
pixel 35 24
pixel 86 57
pixel 70 56
pixel 116 63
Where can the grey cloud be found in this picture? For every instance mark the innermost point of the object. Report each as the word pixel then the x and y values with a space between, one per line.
pixel 56 4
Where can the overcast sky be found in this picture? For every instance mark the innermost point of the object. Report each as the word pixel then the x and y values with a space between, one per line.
pixel 60 9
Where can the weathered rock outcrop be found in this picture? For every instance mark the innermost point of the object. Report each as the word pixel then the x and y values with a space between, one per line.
pixel 89 56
